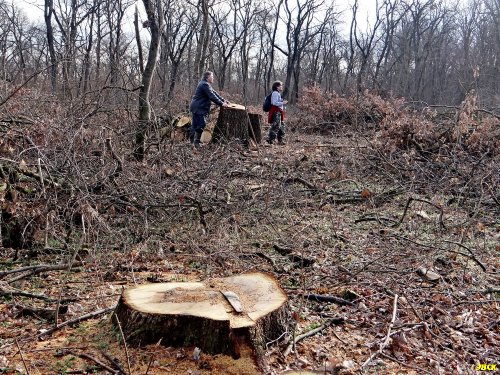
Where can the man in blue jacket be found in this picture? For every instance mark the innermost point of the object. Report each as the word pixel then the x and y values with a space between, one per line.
pixel 200 106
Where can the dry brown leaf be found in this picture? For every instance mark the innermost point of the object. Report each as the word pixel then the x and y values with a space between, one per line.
pixel 365 193
pixel 371 250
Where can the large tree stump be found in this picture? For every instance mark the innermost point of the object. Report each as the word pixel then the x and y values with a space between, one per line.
pixel 219 316
pixel 232 123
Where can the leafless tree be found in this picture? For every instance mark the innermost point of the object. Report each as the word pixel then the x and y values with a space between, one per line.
pixel 302 26
pixel 203 39
pixel 246 12
pixel 48 14
pixel 138 40
pixel 176 36
pixel 155 23
pixel 228 31
pixel 272 40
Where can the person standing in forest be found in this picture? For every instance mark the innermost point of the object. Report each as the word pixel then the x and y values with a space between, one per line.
pixel 200 106
pixel 276 116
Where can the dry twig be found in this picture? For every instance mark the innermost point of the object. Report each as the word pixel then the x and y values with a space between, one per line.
pixel 387 337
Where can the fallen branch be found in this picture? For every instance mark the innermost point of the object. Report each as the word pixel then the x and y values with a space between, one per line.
pixel 39 269
pixel 327 324
pixel 442 249
pixel 379 220
pixel 387 337
pixel 22 357
pixel 295 258
pixel 290 180
pixel 124 343
pixel 30 268
pixel 323 298
pixel 197 204
pixel 113 361
pixel 357 198
pixel 411 199
pixel 40 313
pixel 79 319
pixel 472 255
pixel 265 257
pixel 152 358
pixel 476 302
pixel 97 361
pixel 15 292
pixel 418 369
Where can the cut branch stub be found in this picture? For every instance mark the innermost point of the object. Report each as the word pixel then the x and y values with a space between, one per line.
pixel 199 314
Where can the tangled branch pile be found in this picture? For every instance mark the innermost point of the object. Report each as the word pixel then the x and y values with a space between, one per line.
pixel 346 225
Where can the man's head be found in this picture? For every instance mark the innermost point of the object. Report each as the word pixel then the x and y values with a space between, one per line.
pixel 208 76
pixel 277 85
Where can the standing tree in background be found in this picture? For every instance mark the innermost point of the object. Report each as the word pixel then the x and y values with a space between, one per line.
pixel 365 42
pixel 272 37
pixel 246 13
pixel 228 32
pixel 302 26
pixel 176 36
pixel 48 12
pixel 138 40
pixel 202 46
pixel 155 22
pixel 115 13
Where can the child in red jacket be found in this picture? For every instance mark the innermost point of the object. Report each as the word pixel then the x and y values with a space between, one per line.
pixel 276 115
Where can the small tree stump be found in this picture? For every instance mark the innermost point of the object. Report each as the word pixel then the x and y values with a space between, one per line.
pixel 255 130
pixel 206 314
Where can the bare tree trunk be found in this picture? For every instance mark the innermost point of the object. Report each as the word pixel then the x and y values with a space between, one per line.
pixel 201 49
pixel 155 22
pixel 273 41
pixel 138 40
pixel 86 60
pixel 50 42
pixel 98 45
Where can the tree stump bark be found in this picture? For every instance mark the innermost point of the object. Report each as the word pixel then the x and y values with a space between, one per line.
pixel 222 315
pixel 232 123
pixel 255 130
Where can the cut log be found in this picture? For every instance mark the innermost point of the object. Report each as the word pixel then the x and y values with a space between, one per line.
pixel 180 127
pixel 206 136
pixel 219 316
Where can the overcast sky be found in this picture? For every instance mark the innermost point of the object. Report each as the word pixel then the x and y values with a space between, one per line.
pixel 34 8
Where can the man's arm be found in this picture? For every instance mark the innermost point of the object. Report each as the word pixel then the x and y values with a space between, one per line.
pixel 213 95
pixel 225 102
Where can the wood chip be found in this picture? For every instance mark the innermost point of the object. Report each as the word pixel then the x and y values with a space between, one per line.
pixel 234 300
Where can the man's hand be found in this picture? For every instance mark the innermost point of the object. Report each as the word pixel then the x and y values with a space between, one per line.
pixel 285 101
pixel 225 104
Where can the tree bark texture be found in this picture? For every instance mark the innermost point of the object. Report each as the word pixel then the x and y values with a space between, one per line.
pixel 234 122
pixel 155 23
pixel 255 130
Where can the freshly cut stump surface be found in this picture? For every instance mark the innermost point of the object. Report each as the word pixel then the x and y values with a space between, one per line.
pixel 205 314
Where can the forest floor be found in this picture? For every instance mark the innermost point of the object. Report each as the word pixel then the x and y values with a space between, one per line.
pixel 321 215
